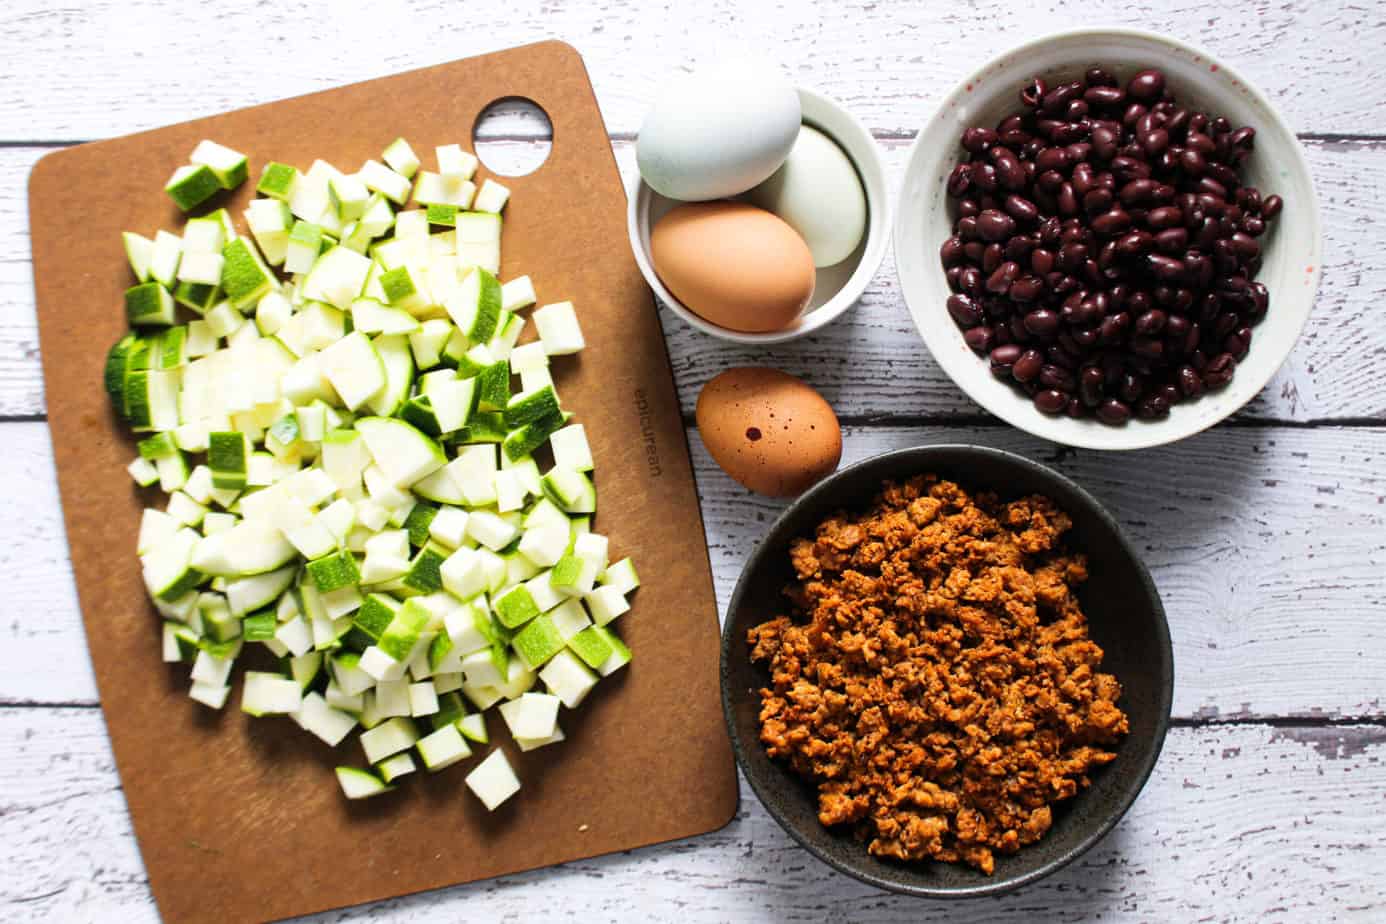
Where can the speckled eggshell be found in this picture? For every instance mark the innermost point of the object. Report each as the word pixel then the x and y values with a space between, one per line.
pixel 768 430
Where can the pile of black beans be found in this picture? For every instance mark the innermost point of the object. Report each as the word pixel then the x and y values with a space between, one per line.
pixel 1105 251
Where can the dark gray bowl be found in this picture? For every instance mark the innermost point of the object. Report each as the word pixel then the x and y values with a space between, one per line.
pixel 1125 617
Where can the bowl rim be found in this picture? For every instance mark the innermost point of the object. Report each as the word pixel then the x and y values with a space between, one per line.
pixel 1135 435
pixel 921 454
pixel 873 251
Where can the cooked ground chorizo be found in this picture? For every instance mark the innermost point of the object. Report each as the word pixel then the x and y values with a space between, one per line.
pixel 934 676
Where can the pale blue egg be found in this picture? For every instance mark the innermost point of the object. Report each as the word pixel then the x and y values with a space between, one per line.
pixel 717 133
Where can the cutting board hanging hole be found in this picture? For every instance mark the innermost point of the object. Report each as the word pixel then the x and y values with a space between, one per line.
pixel 513 136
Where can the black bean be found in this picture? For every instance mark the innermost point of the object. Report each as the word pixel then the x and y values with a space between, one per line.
pixel 1113 412
pixel 1057 99
pixel 1190 382
pixel 984 177
pixel 1191 161
pixel 993 225
pixel 1104 143
pixel 1056 376
pixel 1051 401
pixel 1006 355
pixel 1172 241
pixel 999 282
pixel 1153 407
pixel 1156 142
pixel 1067 200
pixel 1126 169
pixel 1238 343
pixel 952 251
pixel 977 140
pixel 1147 86
pixel 1083 178
pixel 970 279
pixel 1097 200
pixel 1027 367
pixel 1166 268
pixel 1113 222
pixel 1021 209
pixel 964 310
pixel 992 257
pixel 1026 289
pixel 1219 370
pixel 1166 216
pixel 1104 96
pixel 960 180
pixel 1151 322
pixel 1009 172
pixel 980 339
pixel 1041 261
pixel 1244 245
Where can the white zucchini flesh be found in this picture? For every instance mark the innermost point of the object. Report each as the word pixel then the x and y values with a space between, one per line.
pixel 493 781
pixel 405 454
pixel 354 369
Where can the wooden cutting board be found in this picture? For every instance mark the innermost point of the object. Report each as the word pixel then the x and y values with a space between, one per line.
pixel 241 819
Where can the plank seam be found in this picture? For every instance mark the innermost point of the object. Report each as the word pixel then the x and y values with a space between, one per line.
pixel 1195 722
pixel 979 421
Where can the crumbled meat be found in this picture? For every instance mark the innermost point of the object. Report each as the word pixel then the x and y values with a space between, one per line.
pixel 934 675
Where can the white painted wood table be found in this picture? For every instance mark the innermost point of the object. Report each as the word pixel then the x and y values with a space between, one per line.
pixel 1266 536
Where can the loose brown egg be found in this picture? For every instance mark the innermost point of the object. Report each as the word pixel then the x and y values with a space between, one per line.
pixel 734 265
pixel 768 430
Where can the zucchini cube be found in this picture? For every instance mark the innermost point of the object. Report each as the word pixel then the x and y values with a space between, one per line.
pixel 568 678
pixel 443 748
pixel 228 456
pixel 537 642
pixel 228 166
pixel 148 303
pixel 405 630
pixel 335 571
pixel 197 296
pixel 558 329
pixel 304 244
pixel 593 646
pixel 244 276
pixel 442 214
pixel 191 185
pixel 277 181
pixel 425 571
pixel 400 157
pixel 493 781
pixel 515 607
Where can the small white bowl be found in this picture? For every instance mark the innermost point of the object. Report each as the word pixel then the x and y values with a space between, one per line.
pixel 837 287
pixel 1291 248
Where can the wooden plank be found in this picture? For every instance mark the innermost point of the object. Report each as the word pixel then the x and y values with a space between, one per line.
pixel 872 363
pixel 1267 546
pixel 887 63
pixel 1237 823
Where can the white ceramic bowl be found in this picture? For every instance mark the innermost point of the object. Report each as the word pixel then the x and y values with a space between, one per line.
pixel 1291 248
pixel 837 287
